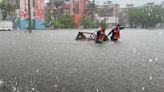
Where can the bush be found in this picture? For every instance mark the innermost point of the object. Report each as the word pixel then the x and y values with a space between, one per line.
pixel 56 23
pixel 103 24
pixel 66 21
pixel 63 22
pixel 96 24
pixel 87 22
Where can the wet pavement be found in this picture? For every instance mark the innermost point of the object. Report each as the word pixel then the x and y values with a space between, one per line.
pixel 52 61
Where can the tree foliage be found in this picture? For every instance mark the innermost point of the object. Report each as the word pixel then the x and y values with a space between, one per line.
pixel 64 21
pixel 7 8
pixel 87 22
pixel 47 18
pixel 91 9
pixel 146 16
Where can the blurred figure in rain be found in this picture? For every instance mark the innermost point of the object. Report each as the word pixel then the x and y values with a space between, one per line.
pixel 115 33
pixel 100 35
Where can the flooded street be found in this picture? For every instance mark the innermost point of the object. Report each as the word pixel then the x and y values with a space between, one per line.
pixel 52 61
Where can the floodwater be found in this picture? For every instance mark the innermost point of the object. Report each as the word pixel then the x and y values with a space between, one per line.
pixel 52 61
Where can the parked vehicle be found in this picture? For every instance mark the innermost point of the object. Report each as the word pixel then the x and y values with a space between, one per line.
pixel 6 25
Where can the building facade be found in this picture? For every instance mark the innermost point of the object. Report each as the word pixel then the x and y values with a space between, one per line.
pixel 37 14
pixel 68 7
pixel 124 17
pixel 108 12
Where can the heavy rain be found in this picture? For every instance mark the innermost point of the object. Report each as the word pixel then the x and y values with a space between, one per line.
pixel 67 46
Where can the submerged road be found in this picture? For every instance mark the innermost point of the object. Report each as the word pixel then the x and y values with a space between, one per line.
pixel 52 61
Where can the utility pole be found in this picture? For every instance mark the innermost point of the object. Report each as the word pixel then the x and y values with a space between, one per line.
pixel 29 14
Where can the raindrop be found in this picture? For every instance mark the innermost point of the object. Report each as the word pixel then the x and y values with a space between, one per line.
pixel 134 50
pixel 148 14
pixel 156 59
pixel 33 89
pixel 13 43
pixel 16 83
pixel 15 78
pixel 97 90
pixel 56 86
pixel 85 90
pixel 150 78
pixel 1 83
pixel 57 78
pixel 139 54
pixel 14 88
pixel 150 60
pixel 143 88
pixel 37 70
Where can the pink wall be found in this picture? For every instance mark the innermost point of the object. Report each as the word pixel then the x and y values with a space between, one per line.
pixel 81 7
pixel 23 9
pixel 39 9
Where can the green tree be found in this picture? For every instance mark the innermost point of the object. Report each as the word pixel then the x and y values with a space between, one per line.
pixel 63 22
pixel 66 21
pixel 87 22
pixel 47 18
pixel 91 9
pixel 56 23
pixel 146 16
pixel 7 9
pixel 103 24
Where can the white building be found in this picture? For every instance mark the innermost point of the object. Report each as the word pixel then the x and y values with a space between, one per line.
pixel 109 12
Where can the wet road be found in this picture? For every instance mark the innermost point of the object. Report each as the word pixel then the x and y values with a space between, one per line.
pixel 52 61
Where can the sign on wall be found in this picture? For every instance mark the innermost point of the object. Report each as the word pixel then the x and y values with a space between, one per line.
pixel 39 9
pixel 24 9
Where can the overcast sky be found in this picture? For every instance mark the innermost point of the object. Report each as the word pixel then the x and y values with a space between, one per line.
pixel 123 3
